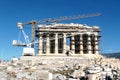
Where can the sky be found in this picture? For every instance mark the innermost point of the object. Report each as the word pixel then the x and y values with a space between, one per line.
pixel 14 11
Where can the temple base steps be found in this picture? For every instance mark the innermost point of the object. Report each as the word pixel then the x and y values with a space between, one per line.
pixel 58 58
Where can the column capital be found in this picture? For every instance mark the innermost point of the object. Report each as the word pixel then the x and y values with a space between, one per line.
pixel 47 35
pixel 72 34
pixel 56 35
pixel 64 34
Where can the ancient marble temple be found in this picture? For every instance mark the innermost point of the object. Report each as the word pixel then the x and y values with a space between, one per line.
pixel 54 39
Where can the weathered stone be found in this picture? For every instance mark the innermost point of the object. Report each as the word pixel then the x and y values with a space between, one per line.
pixel 77 74
pixel 43 74
pixel 59 77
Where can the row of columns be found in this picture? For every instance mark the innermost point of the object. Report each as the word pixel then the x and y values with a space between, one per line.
pixel 48 44
pixel 89 47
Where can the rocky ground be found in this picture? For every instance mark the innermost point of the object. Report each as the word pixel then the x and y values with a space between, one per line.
pixel 63 69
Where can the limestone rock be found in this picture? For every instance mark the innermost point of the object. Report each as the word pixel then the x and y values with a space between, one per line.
pixel 59 77
pixel 77 74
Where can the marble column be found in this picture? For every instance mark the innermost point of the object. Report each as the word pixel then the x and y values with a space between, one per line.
pixel 89 45
pixel 40 45
pixel 81 44
pixel 96 44
pixel 56 43
pixel 64 43
pixel 47 45
pixel 72 43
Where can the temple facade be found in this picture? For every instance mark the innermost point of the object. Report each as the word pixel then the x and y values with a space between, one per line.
pixel 68 39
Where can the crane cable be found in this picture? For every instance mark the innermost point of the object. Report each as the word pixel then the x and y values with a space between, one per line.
pixel 25 37
pixel 19 35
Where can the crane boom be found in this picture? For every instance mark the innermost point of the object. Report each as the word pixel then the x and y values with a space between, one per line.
pixel 68 18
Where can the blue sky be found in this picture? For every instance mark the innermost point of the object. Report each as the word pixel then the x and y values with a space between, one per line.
pixel 14 11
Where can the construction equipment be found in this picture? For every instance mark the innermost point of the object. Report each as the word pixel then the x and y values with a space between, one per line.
pixel 28 50
pixel 30 43
pixel 54 20
pixel 19 43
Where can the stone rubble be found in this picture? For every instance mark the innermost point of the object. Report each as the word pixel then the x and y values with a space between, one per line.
pixel 61 69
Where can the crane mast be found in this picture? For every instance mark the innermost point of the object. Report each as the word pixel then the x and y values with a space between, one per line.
pixel 33 31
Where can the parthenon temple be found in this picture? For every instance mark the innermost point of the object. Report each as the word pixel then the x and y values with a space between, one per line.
pixel 68 39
